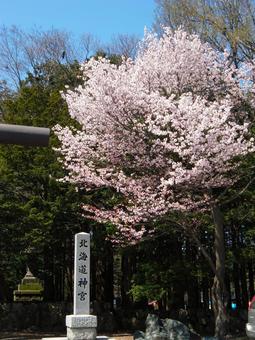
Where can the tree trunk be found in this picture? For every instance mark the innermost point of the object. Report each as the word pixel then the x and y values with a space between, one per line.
pixel 218 289
pixel 128 268
pixel 236 274
pixel 228 289
pixel 251 279
pixel 244 285
pixel 108 274
pixel 4 290
pixel 205 289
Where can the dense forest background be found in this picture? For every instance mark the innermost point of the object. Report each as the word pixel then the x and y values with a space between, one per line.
pixel 40 214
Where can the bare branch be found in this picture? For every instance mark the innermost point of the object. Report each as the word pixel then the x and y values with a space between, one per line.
pixel 224 24
pixel 89 44
pixel 123 44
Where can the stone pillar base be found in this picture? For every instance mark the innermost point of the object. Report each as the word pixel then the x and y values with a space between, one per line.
pixel 81 327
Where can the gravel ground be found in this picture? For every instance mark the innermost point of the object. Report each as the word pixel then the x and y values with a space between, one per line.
pixel 37 336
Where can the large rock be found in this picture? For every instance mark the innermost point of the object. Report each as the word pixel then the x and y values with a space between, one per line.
pixel 157 329
pixel 139 335
pixel 176 330
pixel 154 328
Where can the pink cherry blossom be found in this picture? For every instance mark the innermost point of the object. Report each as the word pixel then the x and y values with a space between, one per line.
pixel 162 130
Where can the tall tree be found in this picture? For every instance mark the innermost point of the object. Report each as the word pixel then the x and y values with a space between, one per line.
pixel 13 61
pixel 163 131
pixel 89 45
pixel 224 24
pixel 123 45
pixel 22 52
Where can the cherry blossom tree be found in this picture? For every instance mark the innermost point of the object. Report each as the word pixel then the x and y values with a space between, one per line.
pixel 166 131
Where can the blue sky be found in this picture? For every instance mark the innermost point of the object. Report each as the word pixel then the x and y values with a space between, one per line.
pixel 103 18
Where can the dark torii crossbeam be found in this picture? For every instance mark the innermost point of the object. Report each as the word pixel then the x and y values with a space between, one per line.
pixel 24 135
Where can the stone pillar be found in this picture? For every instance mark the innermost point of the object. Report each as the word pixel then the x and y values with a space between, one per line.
pixel 81 325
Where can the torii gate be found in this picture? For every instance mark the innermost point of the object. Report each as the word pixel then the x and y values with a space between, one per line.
pixel 24 135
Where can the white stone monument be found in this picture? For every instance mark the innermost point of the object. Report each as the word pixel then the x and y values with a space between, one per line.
pixel 81 325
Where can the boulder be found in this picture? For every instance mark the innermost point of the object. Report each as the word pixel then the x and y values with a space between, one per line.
pixel 176 330
pixel 163 329
pixel 154 328
pixel 139 335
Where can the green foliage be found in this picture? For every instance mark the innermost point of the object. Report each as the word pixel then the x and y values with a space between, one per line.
pixel 162 265
pixel 55 76
pixel 147 291
pixel 38 213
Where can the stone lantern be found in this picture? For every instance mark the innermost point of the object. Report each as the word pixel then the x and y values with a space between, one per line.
pixel 30 289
